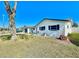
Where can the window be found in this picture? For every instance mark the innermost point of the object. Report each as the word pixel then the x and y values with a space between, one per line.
pixel 53 27
pixel 67 26
pixel 42 28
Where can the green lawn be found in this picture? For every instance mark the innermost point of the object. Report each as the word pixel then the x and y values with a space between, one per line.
pixel 74 37
pixel 33 46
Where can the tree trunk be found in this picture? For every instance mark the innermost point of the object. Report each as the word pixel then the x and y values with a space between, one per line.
pixel 11 12
pixel 12 27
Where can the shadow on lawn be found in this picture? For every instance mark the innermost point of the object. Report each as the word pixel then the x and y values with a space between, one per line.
pixel 75 42
pixel 74 38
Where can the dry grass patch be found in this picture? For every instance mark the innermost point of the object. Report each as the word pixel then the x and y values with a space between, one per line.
pixel 37 47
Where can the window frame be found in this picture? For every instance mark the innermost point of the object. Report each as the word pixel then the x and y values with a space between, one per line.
pixel 42 28
pixel 54 27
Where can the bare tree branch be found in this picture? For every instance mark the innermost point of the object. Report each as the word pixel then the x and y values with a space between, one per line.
pixel 8 7
pixel 15 5
pixel 6 3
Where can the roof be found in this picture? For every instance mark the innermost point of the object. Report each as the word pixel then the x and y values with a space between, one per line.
pixel 57 19
pixel 65 20
pixel 28 26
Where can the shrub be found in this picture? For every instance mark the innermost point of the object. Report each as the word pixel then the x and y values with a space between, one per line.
pixel 5 37
pixel 19 36
pixel 22 36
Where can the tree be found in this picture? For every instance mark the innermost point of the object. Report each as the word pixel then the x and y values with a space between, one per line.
pixel 75 25
pixel 11 14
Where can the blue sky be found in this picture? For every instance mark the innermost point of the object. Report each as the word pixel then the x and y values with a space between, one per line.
pixel 30 13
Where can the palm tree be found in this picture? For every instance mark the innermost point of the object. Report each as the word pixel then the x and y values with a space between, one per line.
pixel 11 14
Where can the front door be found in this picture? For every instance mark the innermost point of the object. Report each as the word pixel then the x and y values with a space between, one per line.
pixel 26 30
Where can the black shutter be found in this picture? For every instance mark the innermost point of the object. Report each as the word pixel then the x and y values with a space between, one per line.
pixel 57 27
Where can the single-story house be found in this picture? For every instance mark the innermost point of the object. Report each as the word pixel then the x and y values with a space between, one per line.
pixel 53 27
pixel 28 29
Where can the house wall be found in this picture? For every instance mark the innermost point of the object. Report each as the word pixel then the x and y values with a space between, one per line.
pixel 55 33
pixel 68 29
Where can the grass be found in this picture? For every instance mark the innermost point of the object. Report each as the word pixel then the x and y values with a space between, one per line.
pixel 74 38
pixel 38 47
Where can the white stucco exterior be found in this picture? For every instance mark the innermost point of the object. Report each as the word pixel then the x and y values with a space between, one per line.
pixel 64 28
pixel 28 30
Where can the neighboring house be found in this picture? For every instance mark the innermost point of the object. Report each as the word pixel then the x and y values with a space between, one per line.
pixel 75 29
pixel 28 29
pixel 53 27
pixel 19 30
